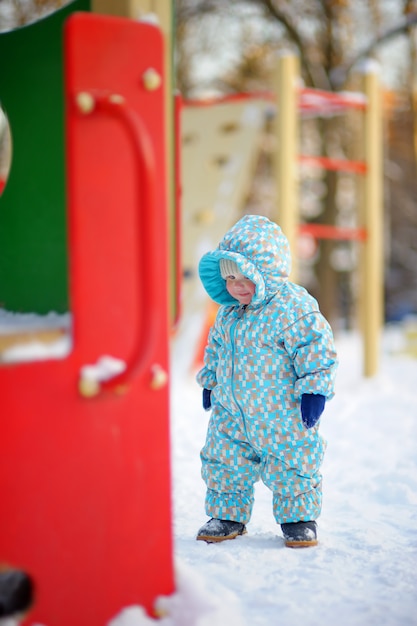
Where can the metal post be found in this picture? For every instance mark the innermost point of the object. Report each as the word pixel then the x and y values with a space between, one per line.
pixel 372 273
pixel 286 162
pixel 122 8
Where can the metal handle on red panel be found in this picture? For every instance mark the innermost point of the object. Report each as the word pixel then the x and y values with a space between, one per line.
pixel 89 103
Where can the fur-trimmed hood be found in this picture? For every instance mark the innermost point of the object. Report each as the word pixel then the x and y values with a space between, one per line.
pixel 260 250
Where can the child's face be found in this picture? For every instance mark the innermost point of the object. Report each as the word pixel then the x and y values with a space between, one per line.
pixel 240 288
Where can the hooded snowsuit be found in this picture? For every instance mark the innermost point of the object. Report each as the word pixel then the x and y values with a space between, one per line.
pixel 259 360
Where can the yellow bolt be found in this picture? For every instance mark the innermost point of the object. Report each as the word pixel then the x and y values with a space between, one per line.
pixel 85 102
pixel 204 217
pixel 159 377
pixel 120 390
pixel 116 98
pixel 151 79
pixel 88 388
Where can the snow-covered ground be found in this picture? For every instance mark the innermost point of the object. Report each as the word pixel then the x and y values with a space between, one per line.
pixel 363 572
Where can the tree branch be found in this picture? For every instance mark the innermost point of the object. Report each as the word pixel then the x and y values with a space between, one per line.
pixel 294 36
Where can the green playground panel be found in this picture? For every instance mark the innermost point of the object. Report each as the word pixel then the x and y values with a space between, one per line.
pixel 33 234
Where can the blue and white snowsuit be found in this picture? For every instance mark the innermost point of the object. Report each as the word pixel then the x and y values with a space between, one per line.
pixel 258 362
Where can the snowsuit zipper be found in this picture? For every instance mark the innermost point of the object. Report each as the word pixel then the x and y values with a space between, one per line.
pixel 240 313
pixel 287 350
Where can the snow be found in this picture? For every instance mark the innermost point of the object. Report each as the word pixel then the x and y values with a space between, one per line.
pixel 363 570
pixel 106 368
pixel 12 322
pixel 37 351
pixel 33 348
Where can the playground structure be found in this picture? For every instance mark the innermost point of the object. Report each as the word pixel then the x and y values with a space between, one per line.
pixel 369 168
pixel 87 445
pixel 205 226
pixel 219 145
pixel 87 497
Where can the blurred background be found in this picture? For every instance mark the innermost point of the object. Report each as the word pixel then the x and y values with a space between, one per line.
pixel 223 48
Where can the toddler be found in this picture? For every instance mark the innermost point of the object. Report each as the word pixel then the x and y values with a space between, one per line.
pixel 269 368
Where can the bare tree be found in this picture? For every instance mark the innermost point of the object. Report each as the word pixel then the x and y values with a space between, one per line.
pixel 327 35
pixel 15 13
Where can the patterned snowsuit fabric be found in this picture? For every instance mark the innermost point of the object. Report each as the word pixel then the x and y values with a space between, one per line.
pixel 258 362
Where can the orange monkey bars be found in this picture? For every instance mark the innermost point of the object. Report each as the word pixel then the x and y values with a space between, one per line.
pixel 325 102
pixel 328 163
pixel 290 102
pixel 309 100
pixel 340 233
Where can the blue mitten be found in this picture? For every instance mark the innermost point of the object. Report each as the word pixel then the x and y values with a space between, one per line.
pixel 312 406
pixel 206 399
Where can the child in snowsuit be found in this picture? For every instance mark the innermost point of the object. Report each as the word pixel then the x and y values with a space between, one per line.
pixel 269 367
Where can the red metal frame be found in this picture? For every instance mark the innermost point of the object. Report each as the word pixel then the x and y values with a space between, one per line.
pixel 324 231
pixel 85 481
pixel 146 229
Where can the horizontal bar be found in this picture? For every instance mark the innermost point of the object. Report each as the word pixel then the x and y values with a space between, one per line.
pixel 312 100
pixel 326 231
pixel 328 163
pixel 315 98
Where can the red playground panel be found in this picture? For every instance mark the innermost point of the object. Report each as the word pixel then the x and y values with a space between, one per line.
pixel 85 464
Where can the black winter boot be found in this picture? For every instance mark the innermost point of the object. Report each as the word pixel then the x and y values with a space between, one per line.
pixel 219 530
pixel 300 534
pixel 16 593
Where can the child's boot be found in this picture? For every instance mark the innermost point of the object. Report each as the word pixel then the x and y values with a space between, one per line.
pixel 300 534
pixel 219 530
